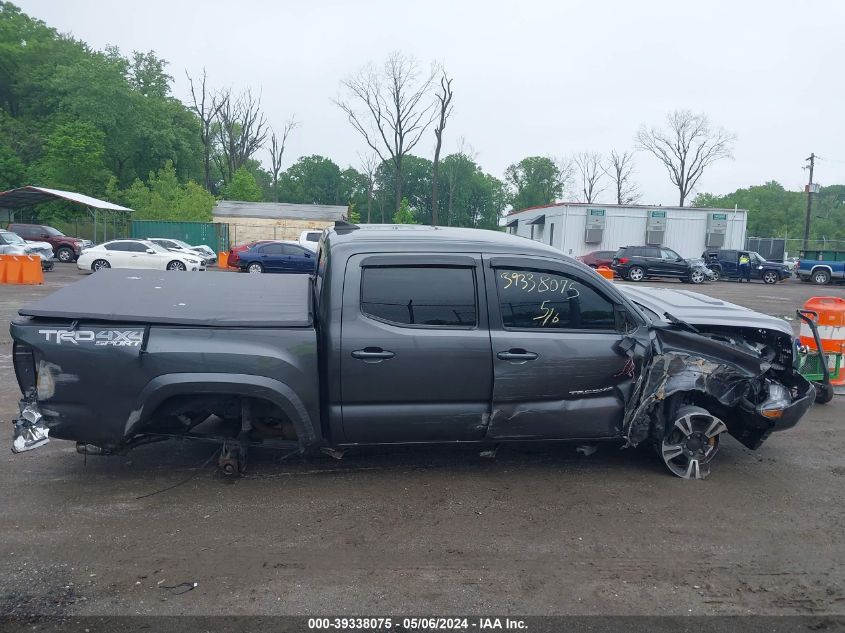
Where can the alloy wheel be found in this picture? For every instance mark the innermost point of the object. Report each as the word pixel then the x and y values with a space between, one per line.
pixel 255 268
pixel 100 264
pixel 692 442
pixel 176 265
pixel 770 277
pixel 821 277
pixel 636 274
pixel 696 277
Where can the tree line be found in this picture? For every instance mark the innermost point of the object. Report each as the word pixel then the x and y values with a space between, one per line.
pixel 108 124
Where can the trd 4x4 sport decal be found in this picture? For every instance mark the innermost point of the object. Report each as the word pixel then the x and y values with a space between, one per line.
pixel 114 338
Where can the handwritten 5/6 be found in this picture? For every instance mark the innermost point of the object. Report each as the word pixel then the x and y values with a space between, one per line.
pixel 546 283
pixel 548 315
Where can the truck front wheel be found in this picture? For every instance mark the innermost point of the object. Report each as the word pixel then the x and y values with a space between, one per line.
pixel 691 442
pixel 65 255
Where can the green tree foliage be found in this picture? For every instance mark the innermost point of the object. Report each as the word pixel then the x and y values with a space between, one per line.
pixel 469 197
pixel 163 198
pixel 534 181
pixel 72 156
pixel 404 215
pixel 311 180
pixel 775 212
pixel 243 187
pixel 59 98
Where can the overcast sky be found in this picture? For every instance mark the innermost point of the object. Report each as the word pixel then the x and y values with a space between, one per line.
pixel 530 78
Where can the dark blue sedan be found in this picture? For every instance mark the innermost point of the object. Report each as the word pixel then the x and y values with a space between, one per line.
pixel 278 257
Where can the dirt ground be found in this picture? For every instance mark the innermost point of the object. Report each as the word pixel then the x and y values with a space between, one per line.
pixel 430 531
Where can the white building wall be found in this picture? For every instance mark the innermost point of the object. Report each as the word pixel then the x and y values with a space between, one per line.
pixel 626 226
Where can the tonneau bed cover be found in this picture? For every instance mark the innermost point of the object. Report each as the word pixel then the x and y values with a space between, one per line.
pixel 223 299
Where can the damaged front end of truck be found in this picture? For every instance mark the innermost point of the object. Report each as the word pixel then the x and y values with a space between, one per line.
pixel 700 381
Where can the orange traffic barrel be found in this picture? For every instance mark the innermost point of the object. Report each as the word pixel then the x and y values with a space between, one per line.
pixel 605 272
pixel 830 324
pixel 222 259
pixel 831 327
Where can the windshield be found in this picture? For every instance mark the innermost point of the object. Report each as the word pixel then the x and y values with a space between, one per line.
pixel 757 257
pixel 182 244
pixel 12 238
pixel 49 230
pixel 158 248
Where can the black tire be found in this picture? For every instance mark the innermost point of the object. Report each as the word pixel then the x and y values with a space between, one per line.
pixel 696 277
pixel 636 273
pixel 821 277
pixel 65 255
pixel 177 265
pixel 770 277
pixel 255 268
pixel 99 264
pixel 824 392
pixel 691 442
pixel 46 266
pixel 717 272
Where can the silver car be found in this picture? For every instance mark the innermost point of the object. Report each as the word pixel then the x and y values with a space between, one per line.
pixel 14 244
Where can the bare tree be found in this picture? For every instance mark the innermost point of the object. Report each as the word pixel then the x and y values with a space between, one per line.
pixel 390 109
pixel 206 108
pixel 686 147
pixel 241 130
pixel 369 164
pixel 465 151
pixel 444 109
pixel 277 152
pixel 590 172
pixel 620 170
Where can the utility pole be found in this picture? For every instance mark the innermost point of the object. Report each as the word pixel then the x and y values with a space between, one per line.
pixel 812 160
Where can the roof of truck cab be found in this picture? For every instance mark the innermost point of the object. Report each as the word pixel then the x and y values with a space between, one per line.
pixel 428 238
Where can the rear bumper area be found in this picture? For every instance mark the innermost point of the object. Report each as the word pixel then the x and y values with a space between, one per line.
pixel 30 429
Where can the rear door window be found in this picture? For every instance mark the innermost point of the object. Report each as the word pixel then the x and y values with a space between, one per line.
pixel 272 249
pixel 420 296
pixel 551 301
pixel 119 246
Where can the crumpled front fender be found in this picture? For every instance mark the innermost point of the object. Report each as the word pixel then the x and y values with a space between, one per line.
pixel 687 362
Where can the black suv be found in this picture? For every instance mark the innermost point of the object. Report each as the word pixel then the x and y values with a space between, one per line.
pixel 636 263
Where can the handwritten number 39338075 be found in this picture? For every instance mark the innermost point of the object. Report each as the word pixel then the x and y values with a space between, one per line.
pixel 528 283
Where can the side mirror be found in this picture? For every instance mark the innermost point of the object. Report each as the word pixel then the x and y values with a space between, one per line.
pixel 151 251
pixel 624 322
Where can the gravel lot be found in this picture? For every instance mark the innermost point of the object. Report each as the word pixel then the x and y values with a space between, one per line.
pixel 427 532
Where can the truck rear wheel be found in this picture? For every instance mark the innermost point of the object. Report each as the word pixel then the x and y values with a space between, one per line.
pixel 821 277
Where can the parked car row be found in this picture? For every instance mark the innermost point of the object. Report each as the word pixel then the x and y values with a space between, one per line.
pixel 638 263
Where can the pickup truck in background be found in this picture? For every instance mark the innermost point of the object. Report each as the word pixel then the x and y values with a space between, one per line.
pixel 67 249
pixel 821 267
pixel 405 335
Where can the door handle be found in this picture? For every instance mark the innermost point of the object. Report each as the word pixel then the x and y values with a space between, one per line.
pixel 372 353
pixel 517 355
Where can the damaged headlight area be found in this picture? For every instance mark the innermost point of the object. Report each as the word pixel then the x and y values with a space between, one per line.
pixel 30 430
pixel 748 382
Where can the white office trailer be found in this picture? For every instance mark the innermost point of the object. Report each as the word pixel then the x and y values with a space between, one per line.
pixel 579 228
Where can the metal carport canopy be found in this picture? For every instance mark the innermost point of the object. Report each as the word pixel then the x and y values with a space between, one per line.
pixel 31 195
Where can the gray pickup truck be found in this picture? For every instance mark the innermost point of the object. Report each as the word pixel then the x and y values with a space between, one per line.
pixel 405 335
